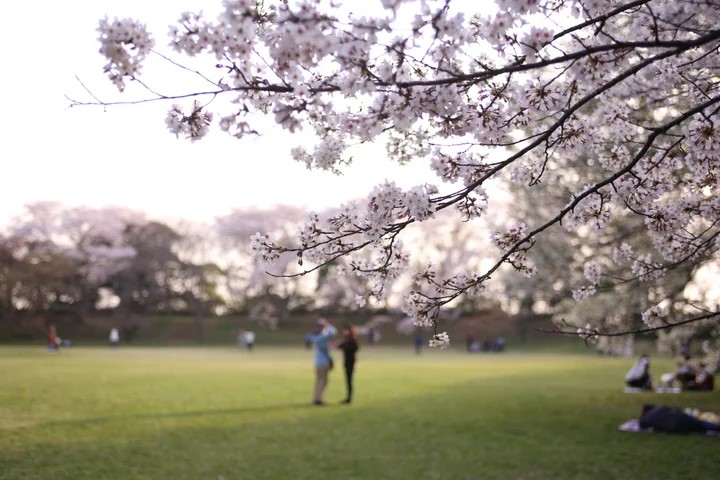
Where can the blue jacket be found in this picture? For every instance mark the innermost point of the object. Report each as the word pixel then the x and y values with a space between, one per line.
pixel 320 341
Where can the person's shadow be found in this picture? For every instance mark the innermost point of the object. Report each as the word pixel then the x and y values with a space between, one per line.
pixel 188 414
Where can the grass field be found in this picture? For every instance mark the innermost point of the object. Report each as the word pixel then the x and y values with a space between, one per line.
pixel 184 413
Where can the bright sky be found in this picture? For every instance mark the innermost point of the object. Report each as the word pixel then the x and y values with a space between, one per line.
pixel 125 156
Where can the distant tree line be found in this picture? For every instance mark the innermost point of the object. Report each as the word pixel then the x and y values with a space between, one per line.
pixel 63 263
pixel 69 263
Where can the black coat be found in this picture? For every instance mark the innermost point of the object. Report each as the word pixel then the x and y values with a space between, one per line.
pixel 349 347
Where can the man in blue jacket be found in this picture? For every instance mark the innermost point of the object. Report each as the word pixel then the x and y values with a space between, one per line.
pixel 323 362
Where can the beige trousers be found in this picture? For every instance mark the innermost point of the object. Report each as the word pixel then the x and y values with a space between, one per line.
pixel 321 379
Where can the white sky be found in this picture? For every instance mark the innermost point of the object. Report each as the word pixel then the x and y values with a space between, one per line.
pixel 125 156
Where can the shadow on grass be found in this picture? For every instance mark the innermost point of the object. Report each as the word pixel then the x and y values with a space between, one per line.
pixel 188 414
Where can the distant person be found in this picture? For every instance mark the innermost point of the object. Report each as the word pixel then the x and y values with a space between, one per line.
pixel 114 337
pixel 308 341
pixel 685 373
pixel 323 362
pixel 673 420
pixel 704 380
pixel 686 348
pixel 371 336
pixel 241 339
pixel 469 340
pixel 349 347
pixel 500 344
pixel 418 342
pixel 53 339
pixel 629 347
pixel 639 374
pixel 249 339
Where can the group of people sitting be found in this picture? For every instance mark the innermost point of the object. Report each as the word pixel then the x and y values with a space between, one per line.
pixel 686 377
pixel 496 345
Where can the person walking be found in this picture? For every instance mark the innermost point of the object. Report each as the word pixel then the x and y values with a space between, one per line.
pixel 323 362
pixel 349 347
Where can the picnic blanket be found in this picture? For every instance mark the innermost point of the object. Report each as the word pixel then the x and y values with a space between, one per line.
pixel 656 390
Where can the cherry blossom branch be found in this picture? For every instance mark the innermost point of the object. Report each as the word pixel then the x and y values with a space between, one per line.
pixel 563 212
pixel 620 84
pixel 597 333
pixel 677 45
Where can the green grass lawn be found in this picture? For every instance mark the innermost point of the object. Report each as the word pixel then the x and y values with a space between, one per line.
pixel 192 413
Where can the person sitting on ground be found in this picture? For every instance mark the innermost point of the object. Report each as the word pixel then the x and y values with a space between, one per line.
pixel 685 373
pixel 639 374
pixel 673 420
pixel 704 380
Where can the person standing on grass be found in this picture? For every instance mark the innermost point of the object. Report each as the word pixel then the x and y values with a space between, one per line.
pixel 323 362
pixel 114 337
pixel 249 339
pixel 349 347
pixel 53 339
pixel 418 342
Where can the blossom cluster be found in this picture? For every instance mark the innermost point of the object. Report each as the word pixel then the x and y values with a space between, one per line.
pixel 264 247
pixel 124 43
pixel 440 340
pixel 508 240
pixel 194 125
pixel 654 315
pixel 588 333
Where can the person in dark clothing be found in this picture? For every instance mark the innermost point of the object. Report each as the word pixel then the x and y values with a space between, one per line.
pixel 673 420
pixel 704 380
pixel 469 340
pixel 685 372
pixel 418 342
pixel 349 347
